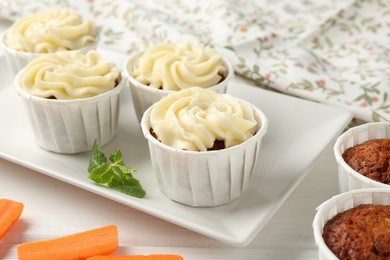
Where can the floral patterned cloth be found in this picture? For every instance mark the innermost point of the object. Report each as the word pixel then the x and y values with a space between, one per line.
pixel 335 52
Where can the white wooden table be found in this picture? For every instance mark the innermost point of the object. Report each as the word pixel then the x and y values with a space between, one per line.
pixel 54 208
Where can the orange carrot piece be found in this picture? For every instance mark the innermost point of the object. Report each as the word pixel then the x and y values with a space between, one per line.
pixel 99 241
pixel 138 257
pixel 10 212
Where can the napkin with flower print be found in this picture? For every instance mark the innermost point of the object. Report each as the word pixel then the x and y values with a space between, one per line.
pixel 335 52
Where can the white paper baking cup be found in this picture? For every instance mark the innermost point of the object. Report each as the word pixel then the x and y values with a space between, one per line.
pixel 341 203
pixel 349 179
pixel 72 126
pixel 144 96
pixel 17 60
pixel 205 179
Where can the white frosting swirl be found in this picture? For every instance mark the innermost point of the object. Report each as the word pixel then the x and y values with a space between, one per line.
pixel 50 31
pixel 69 75
pixel 175 66
pixel 193 118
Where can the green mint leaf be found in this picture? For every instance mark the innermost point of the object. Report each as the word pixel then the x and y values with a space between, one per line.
pixel 97 157
pixel 134 191
pixel 101 173
pixel 116 174
pixel 118 177
pixel 116 157
pixel 126 171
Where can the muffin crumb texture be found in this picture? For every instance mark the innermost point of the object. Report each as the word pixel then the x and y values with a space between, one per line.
pixel 371 159
pixel 362 232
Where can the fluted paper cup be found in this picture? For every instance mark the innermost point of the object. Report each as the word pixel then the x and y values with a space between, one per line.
pixel 205 179
pixel 143 96
pixel 17 60
pixel 72 126
pixel 341 203
pixel 350 179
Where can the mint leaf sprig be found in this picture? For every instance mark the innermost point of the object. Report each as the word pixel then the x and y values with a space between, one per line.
pixel 115 174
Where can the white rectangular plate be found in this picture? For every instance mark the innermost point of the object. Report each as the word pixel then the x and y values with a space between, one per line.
pixel 298 132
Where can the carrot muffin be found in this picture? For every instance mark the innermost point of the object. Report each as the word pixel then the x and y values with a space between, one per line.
pixel 204 146
pixel 72 99
pixel 362 232
pixel 371 159
pixel 44 32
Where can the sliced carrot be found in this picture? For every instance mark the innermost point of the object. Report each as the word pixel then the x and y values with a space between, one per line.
pixel 138 257
pixel 10 212
pixel 99 241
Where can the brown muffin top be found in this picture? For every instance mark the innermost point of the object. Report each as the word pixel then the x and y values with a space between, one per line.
pixel 362 232
pixel 371 158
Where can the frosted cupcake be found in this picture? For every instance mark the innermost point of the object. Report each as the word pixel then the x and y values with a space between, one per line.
pixel 169 67
pixel 204 146
pixel 47 31
pixel 363 157
pixel 72 99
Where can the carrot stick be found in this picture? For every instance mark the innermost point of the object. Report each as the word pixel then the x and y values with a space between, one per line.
pixel 10 212
pixel 100 241
pixel 138 257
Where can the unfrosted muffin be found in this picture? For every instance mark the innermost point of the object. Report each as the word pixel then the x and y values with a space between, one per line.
pixel 371 158
pixel 362 232
pixel 182 130
pixel 168 67
pixel 354 225
pixel 47 31
pixel 363 165
pixel 72 99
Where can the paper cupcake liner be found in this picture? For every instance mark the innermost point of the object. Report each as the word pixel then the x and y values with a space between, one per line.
pixel 72 126
pixel 350 179
pixel 341 203
pixel 205 179
pixel 17 60
pixel 144 96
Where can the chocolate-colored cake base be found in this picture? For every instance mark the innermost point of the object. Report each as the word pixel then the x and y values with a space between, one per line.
pixel 218 145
